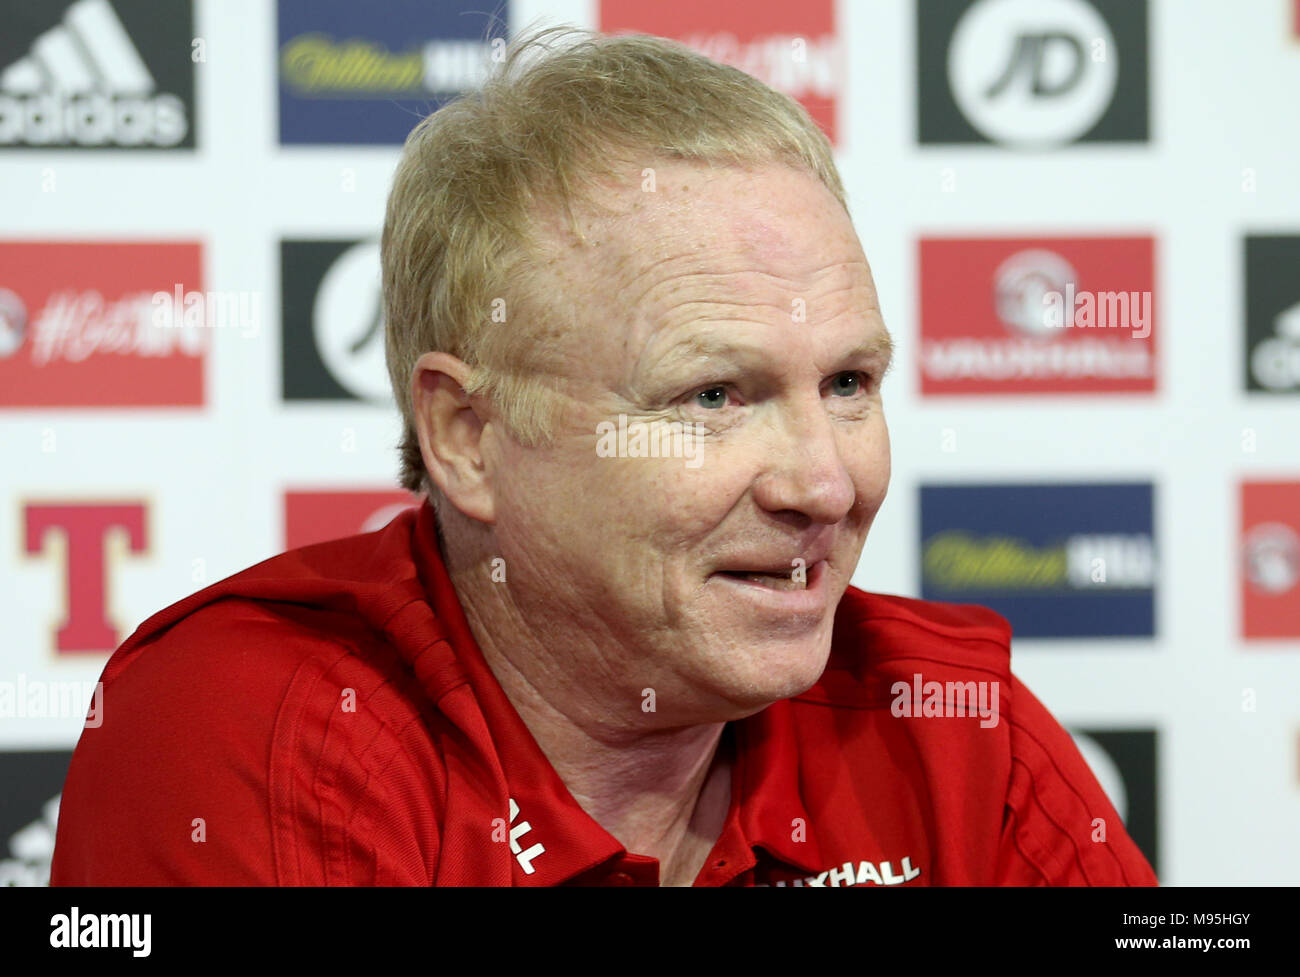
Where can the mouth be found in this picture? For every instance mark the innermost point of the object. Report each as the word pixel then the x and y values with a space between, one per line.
pixel 801 585
pixel 787 580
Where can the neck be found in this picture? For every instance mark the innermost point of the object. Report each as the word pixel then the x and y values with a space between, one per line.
pixel 661 791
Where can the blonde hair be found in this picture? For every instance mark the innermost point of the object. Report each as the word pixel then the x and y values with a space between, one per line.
pixel 560 113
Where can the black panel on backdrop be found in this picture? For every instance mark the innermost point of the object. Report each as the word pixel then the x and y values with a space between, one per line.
pixel 1032 75
pixel 1133 753
pixel 1272 355
pixel 90 74
pixel 33 780
pixel 333 336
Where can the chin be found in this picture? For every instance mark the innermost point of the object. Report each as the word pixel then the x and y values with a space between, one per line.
pixel 788 672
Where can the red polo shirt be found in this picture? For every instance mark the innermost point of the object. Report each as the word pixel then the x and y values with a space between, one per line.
pixel 326 717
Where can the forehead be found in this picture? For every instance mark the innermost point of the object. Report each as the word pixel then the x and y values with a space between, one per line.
pixel 683 233
pixel 766 214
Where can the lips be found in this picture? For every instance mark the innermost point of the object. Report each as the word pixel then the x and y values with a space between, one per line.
pixel 767 566
pixel 768 578
pixel 765 597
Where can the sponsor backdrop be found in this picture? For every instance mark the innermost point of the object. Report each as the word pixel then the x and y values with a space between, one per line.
pixel 1083 218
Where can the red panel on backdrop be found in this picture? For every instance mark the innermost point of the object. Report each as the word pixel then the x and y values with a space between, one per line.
pixel 1270 559
pixel 793 47
pixel 79 326
pixel 1038 315
pixel 313 517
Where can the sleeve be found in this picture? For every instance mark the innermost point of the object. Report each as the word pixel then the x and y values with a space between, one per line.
pixel 238 749
pixel 1059 828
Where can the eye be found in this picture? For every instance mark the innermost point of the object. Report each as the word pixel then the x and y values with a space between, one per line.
pixel 854 384
pixel 706 397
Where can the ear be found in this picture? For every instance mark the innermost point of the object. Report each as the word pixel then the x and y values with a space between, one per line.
pixel 451 425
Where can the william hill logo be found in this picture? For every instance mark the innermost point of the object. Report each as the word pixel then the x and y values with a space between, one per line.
pixel 959 561
pixel 315 65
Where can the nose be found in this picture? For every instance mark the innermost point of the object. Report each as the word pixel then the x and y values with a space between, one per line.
pixel 806 472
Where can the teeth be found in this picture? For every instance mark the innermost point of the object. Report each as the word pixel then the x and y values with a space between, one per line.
pixel 776 581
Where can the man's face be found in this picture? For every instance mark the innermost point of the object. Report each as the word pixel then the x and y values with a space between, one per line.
pixel 736 305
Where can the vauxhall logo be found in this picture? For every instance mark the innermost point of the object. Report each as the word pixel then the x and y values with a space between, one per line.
pixel 108 75
pixel 1031 73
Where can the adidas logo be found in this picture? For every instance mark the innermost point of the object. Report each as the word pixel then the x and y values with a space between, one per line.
pixel 83 83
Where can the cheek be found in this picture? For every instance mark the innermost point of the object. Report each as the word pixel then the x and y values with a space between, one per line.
pixel 552 494
pixel 871 467
pixel 885 460
pixel 608 511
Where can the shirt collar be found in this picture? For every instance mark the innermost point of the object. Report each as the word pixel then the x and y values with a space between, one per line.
pixel 767 803
pixel 766 809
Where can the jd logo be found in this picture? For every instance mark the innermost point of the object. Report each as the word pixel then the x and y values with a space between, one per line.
pixel 1057 73
pixel 1031 73
pixel 1029 58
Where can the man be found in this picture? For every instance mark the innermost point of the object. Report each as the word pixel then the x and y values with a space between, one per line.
pixel 638 353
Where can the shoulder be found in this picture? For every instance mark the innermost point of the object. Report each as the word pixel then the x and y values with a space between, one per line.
pixel 246 664
pixel 1060 827
pixel 271 723
pixel 934 682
